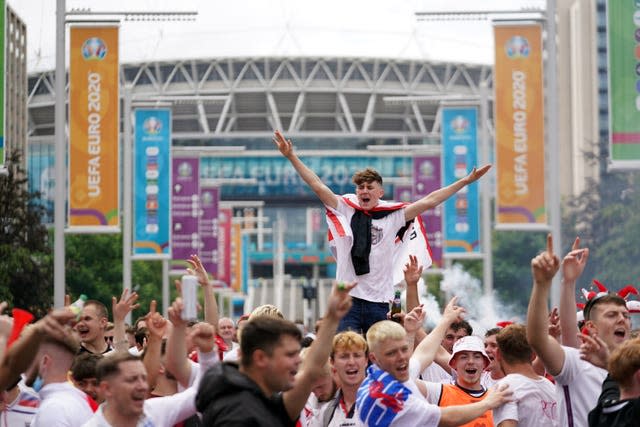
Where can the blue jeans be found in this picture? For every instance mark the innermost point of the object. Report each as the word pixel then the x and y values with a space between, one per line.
pixel 362 315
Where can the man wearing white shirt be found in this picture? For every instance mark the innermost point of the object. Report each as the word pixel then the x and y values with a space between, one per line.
pixel 535 401
pixel 388 396
pixel 577 381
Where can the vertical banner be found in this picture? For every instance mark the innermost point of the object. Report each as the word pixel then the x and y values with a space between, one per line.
pixel 3 17
pixel 623 47
pixel 185 210
pixel 225 219
pixel 93 128
pixel 426 179
pixel 236 257
pixel 209 200
pixel 519 122
pixel 152 186
pixel 459 157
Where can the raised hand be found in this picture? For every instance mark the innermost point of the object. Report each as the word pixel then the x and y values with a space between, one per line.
pixel 414 319
pixel 453 312
pixel 545 265
pixel 412 271
pixel 196 268
pixel 203 336
pixel 594 350
pixel 284 145
pixel 123 306
pixel 339 301
pixel 574 262
pixel 156 324
pixel 175 314
pixel 476 174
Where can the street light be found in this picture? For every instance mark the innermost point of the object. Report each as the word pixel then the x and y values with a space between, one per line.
pixel 60 131
pixel 549 16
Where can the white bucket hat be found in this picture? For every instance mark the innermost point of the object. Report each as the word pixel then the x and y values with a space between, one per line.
pixel 469 343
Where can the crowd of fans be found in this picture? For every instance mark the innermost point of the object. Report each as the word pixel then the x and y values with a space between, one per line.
pixel 360 366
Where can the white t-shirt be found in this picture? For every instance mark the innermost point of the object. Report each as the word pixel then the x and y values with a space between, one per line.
pixel 62 405
pixel 234 349
pixel 340 417
pixel 384 401
pixel 377 285
pixel 21 411
pixel 486 381
pixel 578 387
pixel 534 404
pixel 434 373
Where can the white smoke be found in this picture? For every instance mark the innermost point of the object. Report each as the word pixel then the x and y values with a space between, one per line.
pixel 483 311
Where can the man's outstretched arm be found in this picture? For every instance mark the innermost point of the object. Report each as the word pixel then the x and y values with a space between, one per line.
pixel 324 193
pixel 434 198
pixel 543 268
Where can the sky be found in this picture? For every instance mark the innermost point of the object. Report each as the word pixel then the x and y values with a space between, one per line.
pixel 275 28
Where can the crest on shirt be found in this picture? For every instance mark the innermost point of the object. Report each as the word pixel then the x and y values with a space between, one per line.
pixel 376 235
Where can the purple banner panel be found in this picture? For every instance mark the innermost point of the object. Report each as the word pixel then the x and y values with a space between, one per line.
pixel 209 199
pixel 185 209
pixel 426 179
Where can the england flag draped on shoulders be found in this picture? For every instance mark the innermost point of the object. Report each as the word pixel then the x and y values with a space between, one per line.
pixel 411 240
pixel 384 401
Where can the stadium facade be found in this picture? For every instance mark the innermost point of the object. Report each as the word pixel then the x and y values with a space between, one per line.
pixel 337 111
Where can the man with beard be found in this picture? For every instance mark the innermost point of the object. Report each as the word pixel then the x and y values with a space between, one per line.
pixel 577 381
pixel 266 388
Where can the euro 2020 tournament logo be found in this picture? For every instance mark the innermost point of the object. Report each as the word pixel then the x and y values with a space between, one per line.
pixel 459 124
pixel 185 170
pixel 152 126
pixel 94 49
pixel 517 47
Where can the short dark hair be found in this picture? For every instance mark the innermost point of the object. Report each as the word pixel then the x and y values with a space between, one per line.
pixel 85 366
pixel 110 365
pixel 462 324
pixel 366 175
pixel 513 344
pixel 492 331
pixel 101 309
pixel 608 298
pixel 140 335
pixel 264 333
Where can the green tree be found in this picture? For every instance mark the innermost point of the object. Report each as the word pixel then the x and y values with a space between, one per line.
pixel 94 268
pixel 26 267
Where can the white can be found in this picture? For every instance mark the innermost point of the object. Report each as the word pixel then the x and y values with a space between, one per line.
pixel 189 297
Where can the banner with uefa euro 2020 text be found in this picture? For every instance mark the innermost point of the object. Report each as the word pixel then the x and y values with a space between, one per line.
pixel 427 177
pixel 152 184
pixel 623 46
pixel 208 227
pixel 519 126
pixel 459 157
pixel 93 128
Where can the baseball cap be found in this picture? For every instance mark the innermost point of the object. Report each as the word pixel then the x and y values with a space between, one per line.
pixel 469 343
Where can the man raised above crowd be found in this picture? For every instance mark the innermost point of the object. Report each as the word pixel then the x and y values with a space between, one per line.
pixel 364 251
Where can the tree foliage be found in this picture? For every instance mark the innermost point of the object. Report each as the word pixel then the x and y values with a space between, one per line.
pixel 26 269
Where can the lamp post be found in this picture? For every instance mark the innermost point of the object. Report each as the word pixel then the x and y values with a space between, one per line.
pixel 553 190
pixel 60 129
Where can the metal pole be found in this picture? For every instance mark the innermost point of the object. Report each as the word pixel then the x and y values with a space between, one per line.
pixel 126 194
pixel 485 193
pixel 165 287
pixel 60 152
pixel 553 176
